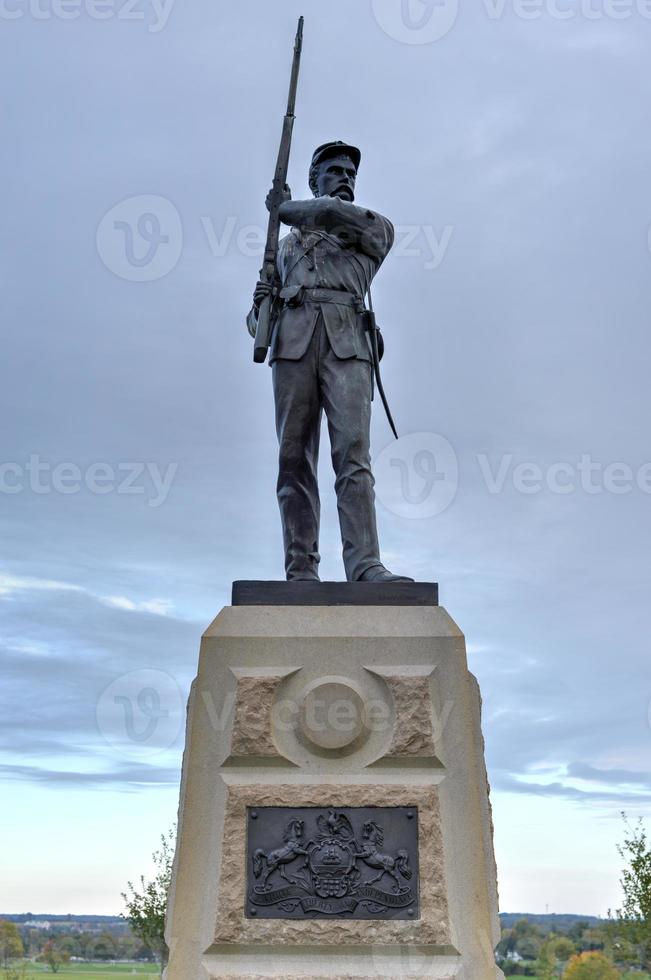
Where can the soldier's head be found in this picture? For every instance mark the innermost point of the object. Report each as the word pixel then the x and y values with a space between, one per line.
pixel 334 170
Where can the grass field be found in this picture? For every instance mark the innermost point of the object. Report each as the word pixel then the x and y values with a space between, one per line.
pixel 626 976
pixel 96 971
pixel 92 971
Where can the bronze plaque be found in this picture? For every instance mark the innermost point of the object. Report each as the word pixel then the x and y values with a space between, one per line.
pixel 314 863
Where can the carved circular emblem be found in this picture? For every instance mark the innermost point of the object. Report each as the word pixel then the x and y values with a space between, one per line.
pixel 332 715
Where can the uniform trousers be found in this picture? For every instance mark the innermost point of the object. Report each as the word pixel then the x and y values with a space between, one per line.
pixel 303 390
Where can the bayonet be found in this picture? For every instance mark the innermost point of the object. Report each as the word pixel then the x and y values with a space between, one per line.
pixel 269 272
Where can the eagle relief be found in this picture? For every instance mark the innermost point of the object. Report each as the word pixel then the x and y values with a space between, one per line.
pixel 307 862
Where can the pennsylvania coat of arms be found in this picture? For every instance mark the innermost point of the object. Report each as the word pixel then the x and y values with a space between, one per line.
pixel 333 863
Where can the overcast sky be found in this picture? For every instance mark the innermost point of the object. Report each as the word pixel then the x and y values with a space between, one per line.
pixel 510 144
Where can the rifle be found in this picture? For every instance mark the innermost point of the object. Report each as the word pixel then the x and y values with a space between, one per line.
pixel 268 272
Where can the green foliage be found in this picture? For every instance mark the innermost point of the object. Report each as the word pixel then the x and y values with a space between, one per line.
pixel 563 948
pixel 556 951
pixel 591 966
pixel 525 939
pixel 53 956
pixel 146 908
pixel 11 946
pixel 546 962
pixel 102 947
pixel 634 918
pixel 17 971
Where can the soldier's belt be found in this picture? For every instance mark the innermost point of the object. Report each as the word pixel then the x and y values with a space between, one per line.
pixel 296 296
pixel 340 296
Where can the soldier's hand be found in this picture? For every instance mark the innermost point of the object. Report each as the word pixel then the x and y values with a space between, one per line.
pixel 285 196
pixel 262 290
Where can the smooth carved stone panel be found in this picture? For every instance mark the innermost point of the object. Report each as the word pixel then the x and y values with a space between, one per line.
pixel 431 927
pixel 354 863
pixel 332 716
pixel 335 720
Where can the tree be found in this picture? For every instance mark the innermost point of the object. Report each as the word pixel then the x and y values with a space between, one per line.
pixel 104 947
pixel 546 962
pixel 53 957
pixel 591 966
pixel 11 946
pixel 635 916
pixel 146 908
pixel 557 949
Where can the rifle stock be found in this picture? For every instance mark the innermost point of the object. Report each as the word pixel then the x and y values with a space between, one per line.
pixel 268 272
pixel 263 332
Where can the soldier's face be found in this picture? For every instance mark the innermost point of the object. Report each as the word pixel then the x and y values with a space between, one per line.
pixel 336 178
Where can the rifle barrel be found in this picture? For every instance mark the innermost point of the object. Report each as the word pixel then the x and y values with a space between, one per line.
pixel 293 86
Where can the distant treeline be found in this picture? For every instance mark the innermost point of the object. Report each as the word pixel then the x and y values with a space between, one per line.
pixel 27 917
pixel 549 923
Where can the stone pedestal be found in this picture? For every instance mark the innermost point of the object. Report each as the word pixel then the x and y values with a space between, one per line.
pixel 351 736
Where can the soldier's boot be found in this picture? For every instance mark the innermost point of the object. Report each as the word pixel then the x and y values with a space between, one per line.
pixel 378 573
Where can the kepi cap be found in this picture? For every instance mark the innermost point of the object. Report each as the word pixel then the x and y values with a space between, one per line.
pixel 336 148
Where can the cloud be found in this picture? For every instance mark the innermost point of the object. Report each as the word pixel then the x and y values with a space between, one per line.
pixel 61 649
pixel 157 607
pixel 11 585
pixel 622 777
pixel 531 339
pixel 127 777
pixel 509 783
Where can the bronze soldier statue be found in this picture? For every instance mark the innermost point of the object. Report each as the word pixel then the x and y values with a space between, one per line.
pixel 322 361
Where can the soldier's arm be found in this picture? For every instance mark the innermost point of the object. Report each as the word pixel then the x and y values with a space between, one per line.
pixel 262 290
pixel 357 227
